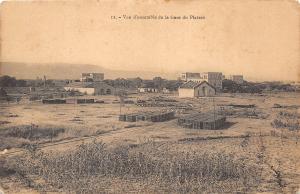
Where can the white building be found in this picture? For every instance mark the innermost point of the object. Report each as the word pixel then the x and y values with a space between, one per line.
pixel 92 77
pixel 91 88
pixel 147 90
pixel 213 78
pixel 237 78
pixel 192 89
pixel 188 76
pixel 166 91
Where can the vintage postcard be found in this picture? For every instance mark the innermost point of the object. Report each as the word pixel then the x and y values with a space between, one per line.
pixel 152 96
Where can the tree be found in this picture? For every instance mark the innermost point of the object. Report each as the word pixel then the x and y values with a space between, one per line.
pixel 158 82
pixel 230 86
pixel 3 93
pixel 21 83
pixel 7 81
pixel 173 85
pixel 135 82
pixel 247 87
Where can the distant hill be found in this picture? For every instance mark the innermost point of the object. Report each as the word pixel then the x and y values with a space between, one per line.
pixel 70 71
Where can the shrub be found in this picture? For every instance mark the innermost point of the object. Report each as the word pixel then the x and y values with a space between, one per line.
pixel 31 132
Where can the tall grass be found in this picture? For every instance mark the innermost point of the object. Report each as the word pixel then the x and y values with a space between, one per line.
pixel 292 125
pixel 182 172
pixel 31 132
pixel 20 136
pixel 289 124
pixel 286 119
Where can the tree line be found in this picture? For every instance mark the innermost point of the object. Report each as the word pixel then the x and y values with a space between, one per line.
pixel 229 86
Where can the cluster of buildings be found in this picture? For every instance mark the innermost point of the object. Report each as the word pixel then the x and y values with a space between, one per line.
pixel 204 84
pixel 195 84
pixel 91 84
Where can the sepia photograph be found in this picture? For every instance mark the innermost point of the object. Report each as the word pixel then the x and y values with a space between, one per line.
pixel 152 96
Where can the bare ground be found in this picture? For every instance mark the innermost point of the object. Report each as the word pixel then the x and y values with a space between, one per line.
pixel 276 151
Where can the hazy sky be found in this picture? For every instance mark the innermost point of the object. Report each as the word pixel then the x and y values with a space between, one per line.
pixel 260 39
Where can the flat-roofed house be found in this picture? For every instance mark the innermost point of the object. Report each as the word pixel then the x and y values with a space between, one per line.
pixel 192 89
pixel 187 76
pixel 91 88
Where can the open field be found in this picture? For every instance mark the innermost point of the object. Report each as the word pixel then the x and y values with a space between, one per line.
pixel 249 154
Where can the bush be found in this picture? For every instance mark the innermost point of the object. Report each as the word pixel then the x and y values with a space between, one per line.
pixel 31 132
pixel 293 126
pixel 246 87
pixel 289 120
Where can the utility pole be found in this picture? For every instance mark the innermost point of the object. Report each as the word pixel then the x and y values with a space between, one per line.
pixel 120 105
pixel 44 81
pixel 214 112
pixel 121 102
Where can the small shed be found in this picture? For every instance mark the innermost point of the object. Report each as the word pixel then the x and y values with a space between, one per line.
pixel 192 89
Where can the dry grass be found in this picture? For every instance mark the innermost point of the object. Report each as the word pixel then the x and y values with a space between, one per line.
pixel 31 132
pixel 252 113
pixel 288 120
pixel 20 136
pixel 288 123
pixel 12 115
pixel 4 122
pixel 180 173
pixel 126 168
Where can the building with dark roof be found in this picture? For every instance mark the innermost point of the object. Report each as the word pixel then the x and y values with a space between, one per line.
pixel 193 89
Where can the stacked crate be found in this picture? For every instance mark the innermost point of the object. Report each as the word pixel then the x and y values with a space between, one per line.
pixel 188 120
pixel 131 117
pixel 160 116
pixel 53 101
pixel 84 101
pixel 71 101
pixel 141 117
pixel 202 121
pixel 122 117
pixel 148 116
pixel 79 101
